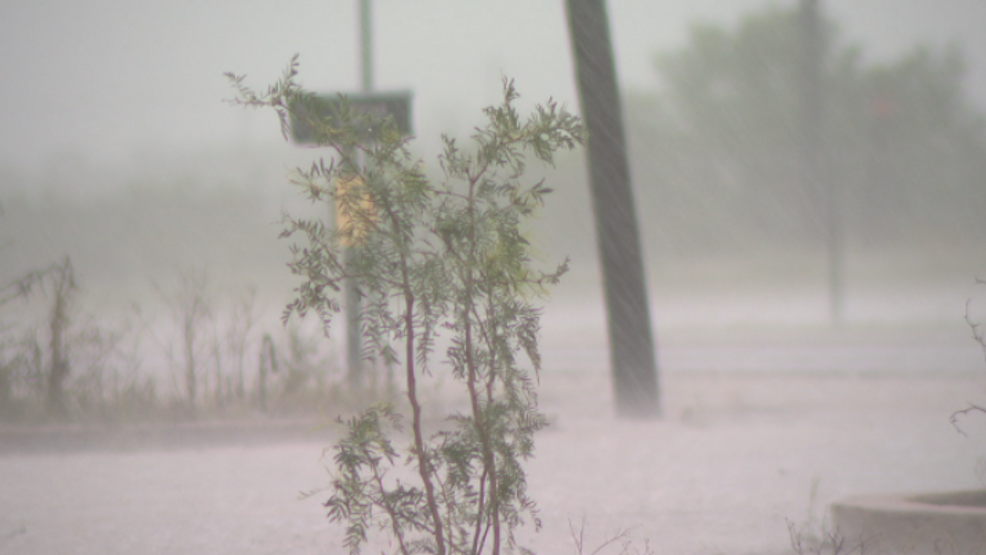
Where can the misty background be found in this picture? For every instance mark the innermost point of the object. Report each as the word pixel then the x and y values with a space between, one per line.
pixel 117 150
pixel 121 168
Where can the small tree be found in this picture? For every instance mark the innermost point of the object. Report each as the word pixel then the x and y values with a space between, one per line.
pixel 190 312
pixel 59 279
pixel 429 257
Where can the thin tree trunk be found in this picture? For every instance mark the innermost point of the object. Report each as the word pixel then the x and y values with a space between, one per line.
pixel 59 321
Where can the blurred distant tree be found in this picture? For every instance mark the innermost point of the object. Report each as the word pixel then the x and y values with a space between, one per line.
pixel 905 146
pixel 58 280
pixel 923 146
pixel 63 287
pixel 191 312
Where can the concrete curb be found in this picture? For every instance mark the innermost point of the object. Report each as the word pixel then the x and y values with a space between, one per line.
pixel 946 523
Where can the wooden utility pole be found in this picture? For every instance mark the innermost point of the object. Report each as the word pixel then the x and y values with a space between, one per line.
pixel 631 344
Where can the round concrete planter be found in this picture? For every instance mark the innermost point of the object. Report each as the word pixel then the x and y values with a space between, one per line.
pixel 950 523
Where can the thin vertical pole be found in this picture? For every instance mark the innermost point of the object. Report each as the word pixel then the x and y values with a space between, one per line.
pixel 354 347
pixel 366 46
pixel 814 152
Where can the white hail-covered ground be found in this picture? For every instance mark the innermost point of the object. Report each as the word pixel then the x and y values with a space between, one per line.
pixel 735 458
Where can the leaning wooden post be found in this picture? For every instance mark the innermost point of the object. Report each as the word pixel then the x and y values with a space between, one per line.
pixel 631 344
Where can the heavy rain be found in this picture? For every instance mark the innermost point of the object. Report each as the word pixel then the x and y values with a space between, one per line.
pixel 774 233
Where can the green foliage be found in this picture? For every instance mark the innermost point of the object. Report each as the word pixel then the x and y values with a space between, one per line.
pixel 903 143
pixel 445 258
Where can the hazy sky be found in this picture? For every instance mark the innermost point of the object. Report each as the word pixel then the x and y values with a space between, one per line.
pixel 102 79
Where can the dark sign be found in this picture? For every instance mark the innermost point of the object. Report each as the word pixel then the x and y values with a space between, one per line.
pixel 396 105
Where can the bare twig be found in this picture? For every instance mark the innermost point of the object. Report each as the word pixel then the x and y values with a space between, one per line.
pixel 976 327
pixel 955 416
pixel 621 536
pixel 978 336
pixel 828 542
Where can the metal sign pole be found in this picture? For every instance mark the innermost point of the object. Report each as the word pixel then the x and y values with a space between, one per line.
pixel 354 345
pixel 366 47
pixel 395 105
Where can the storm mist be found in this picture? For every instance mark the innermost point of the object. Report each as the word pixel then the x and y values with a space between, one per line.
pixel 812 335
